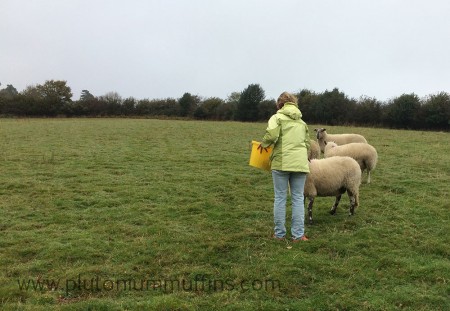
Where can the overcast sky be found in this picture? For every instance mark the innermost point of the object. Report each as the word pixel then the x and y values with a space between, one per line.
pixel 164 48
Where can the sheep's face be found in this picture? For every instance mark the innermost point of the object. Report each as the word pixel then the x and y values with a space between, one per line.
pixel 329 145
pixel 320 133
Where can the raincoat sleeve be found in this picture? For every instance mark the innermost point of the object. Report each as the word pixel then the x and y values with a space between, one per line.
pixel 307 139
pixel 272 132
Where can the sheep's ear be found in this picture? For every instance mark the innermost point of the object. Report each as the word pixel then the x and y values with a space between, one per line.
pixel 325 142
pixel 324 130
pixel 315 130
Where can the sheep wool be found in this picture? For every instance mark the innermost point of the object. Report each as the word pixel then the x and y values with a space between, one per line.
pixel 333 177
pixel 339 139
pixel 314 150
pixel 365 154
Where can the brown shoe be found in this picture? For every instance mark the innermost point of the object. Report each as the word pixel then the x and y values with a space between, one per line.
pixel 303 238
pixel 277 238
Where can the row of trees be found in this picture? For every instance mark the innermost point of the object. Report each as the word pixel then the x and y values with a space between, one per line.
pixel 54 98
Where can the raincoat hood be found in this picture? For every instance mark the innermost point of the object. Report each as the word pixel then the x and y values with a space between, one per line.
pixel 291 110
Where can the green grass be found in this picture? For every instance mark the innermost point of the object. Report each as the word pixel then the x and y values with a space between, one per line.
pixel 121 199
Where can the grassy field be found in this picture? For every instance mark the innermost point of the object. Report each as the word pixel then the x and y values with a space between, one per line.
pixel 122 214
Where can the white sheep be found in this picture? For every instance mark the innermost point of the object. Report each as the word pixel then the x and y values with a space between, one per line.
pixel 365 154
pixel 314 150
pixel 333 177
pixel 339 139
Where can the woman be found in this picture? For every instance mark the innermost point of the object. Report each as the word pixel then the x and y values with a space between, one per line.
pixel 290 136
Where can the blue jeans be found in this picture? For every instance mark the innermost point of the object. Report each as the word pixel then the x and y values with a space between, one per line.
pixel 281 182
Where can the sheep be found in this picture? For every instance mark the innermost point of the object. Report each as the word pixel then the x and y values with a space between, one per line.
pixel 314 150
pixel 339 139
pixel 365 154
pixel 333 177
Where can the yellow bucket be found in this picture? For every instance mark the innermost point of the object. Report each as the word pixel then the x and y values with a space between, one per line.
pixel 260 159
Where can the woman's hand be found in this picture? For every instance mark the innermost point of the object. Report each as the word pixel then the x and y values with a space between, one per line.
pixel 260 148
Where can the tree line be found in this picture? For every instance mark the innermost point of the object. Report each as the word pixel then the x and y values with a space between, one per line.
pixel 407 111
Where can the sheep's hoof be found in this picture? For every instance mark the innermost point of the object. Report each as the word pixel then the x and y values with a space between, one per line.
pixel 333 212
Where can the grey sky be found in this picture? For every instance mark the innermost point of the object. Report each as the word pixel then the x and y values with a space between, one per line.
pixel 164 48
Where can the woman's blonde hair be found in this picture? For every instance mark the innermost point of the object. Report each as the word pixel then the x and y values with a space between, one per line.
pixel 284 98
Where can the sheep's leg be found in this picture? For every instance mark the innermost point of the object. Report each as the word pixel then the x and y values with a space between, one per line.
pixel 352 203
pixel 336 203
pixel 310 205
pixel 368 176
